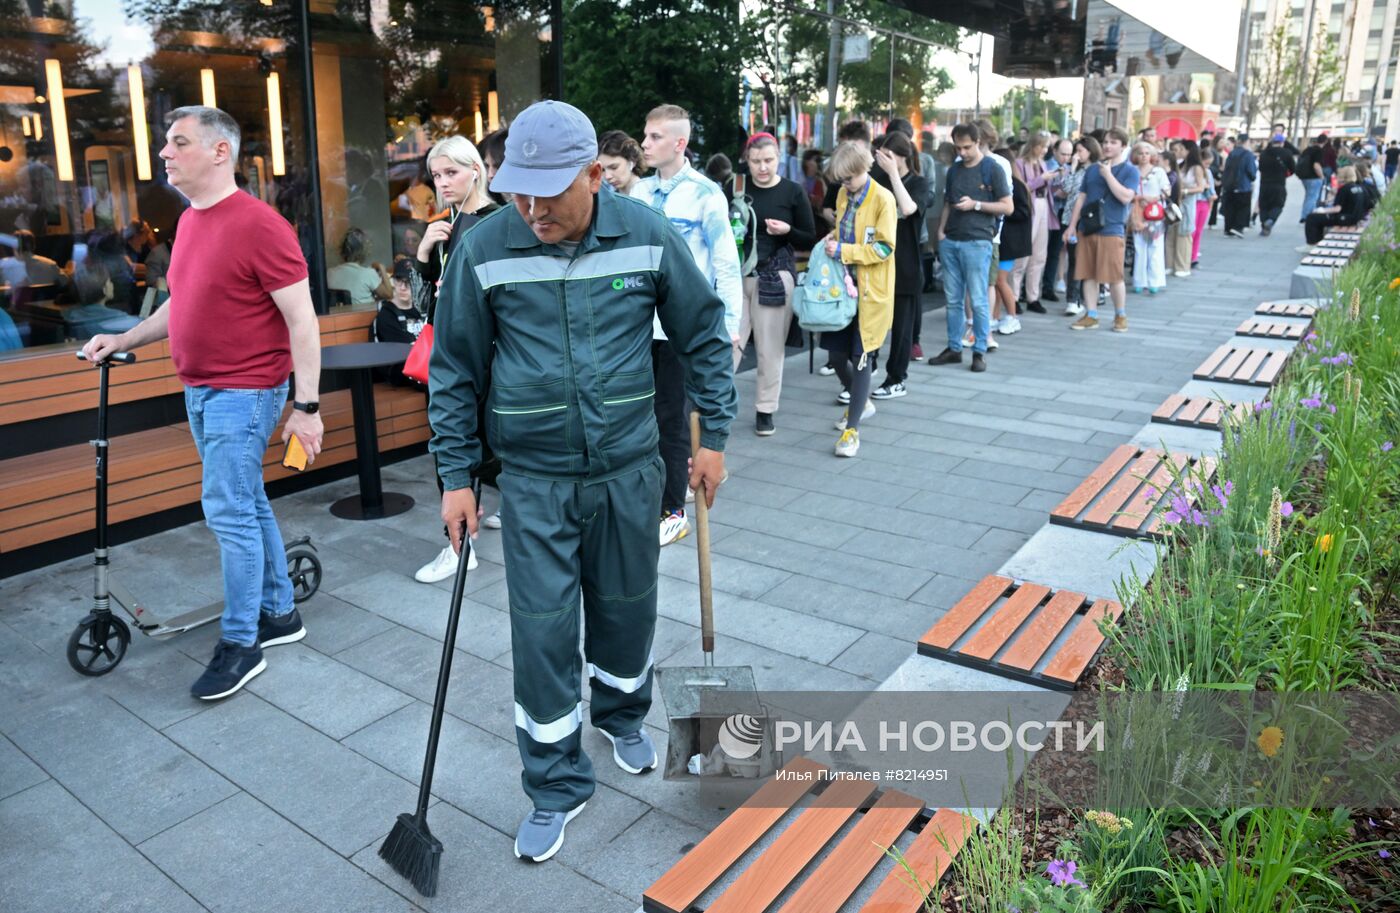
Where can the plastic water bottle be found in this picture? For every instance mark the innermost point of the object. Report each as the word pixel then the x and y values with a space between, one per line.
pixel 737 225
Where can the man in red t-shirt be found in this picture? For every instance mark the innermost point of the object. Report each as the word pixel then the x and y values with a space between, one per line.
pixel 239 318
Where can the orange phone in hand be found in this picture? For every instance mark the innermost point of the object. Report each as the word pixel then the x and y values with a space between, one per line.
pixel 295 457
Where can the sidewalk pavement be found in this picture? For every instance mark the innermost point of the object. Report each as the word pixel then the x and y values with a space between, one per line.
pixel 123 793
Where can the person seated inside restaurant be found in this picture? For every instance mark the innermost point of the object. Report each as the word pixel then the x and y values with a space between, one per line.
pixel 106 248
pixel 398 319
pixel 139 240
pixel 92 285
pixel 363 280
pixel 26 267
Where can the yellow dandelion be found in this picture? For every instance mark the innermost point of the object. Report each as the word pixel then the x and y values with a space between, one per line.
pixel 1270 740
pixel 1395 283
pixel 1324 543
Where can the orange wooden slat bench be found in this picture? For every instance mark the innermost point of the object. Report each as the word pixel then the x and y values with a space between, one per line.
pixel 1242 365
pixel 827 886
pixel 1027 632
pixel 1124 494
pixel 49 495
pixel 1196 411
pixel 1347 229
pixel 1285 309
pixel 1271 329
pixel 1326 261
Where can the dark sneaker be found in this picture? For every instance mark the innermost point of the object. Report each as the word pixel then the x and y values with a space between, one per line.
pixel 1048 296
pixel 633 752
pixel 231 668
pixel 890 391
pixel 542 833
pixel 916 351
pixel 1035 307
pixel 763 424
pixel 946 357
pixel 979 364
pixel 275 630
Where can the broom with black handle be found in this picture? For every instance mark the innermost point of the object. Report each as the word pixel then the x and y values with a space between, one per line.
pixel 411 849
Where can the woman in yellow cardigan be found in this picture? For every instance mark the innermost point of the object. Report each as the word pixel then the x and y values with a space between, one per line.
pixel 867 217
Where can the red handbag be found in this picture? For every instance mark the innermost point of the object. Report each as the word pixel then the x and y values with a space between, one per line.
pixel 415 367
pixel 1154 211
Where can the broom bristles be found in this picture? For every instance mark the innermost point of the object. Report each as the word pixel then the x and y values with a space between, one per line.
pixel 413 852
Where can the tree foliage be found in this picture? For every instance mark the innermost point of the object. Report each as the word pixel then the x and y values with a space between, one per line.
pixel 1271 86
pixel 792 56
pixel 623 59
pixel 1045 113
pixel 1324 79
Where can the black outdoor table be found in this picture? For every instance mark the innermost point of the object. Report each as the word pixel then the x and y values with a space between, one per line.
pixel 360 358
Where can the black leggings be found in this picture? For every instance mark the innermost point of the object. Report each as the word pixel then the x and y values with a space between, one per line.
pixel 855 379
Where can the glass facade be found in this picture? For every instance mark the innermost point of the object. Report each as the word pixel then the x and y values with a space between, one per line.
pixel 338 101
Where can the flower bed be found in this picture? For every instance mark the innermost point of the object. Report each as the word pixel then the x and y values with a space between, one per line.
pixel 1282 574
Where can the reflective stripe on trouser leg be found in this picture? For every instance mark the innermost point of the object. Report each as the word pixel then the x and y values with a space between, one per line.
pixel 540 536
pixel 619 552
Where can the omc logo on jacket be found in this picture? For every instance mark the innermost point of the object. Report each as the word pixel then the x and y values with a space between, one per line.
pixel 626 282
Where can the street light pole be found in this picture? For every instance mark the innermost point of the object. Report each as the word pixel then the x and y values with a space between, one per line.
pixel 1303 78
pixel 833 68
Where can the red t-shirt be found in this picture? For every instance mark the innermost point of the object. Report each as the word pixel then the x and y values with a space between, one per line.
pixel 225 329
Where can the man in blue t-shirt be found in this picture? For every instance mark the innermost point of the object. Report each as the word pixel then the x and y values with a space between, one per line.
pixel 1109 187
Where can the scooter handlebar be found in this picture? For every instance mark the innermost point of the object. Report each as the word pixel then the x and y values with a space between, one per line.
pixel 121 358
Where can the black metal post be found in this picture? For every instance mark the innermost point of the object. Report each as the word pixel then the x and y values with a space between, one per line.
pixel 556 45
pixel 367 443
pixel 100 488
pixel 317 261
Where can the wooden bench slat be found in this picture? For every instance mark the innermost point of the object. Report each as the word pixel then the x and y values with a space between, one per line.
pixel 1042 631
pixel 685 881
pixel 795 848
pixel 1079 649
pixel 1193 409
pixel 1212 361
pixel 1140 507
pixel 1114 499
pixel 828 888
pixel 1230 364
pixel 1270 372
pixel 1247 369
pixel 928 859
pixel 964 615
pixel 1082 495
pixel 998 630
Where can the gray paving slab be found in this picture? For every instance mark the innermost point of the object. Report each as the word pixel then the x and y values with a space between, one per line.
pixel 1260 342
pixel 1311 281
pixel 60 856
pixel 333 625
pixel 484 630
pixel 234 858
pixel 1230 393
pixel 480 872
pixel 874 656
pixel 732 572
pixel 926 673
pixel 17 772
pixel 1195 441
pixel 326 789
pixel 838 567
pixel 1075 559
pixel 327 695
pixel 895 617
pixel 133 777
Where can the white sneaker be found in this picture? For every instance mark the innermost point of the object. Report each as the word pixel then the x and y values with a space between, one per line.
pixel 843 397
pixel 991 343
pixel 868 411
pixel 969 339
pixel 674 527
pixel 1060 287
pixel 443 566
pixel 849 443
pixel 1008 325
pixel 1182 274
pixel 826 370
pixel 493 521
pixel 1074 309
pixel 689 495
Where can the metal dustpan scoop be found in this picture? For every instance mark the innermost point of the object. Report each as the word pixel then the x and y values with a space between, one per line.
pixel 711 710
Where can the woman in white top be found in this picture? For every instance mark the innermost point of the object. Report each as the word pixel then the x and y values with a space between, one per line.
pixel 1149 254
pixel 365 282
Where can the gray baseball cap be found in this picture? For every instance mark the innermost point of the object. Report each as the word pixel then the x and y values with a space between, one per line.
pixel 547 145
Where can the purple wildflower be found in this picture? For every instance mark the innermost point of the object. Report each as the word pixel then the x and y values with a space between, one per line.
pixel 1149 492
pixel 1331 409
pixel 1198 518
pixel 1292 431
pixel 1061 872
pixel 1286 510
pixel 1263 406
pixel 1370 822
pixel 1384 854
pixel 1310 337
pixel 1172 517
pixel 1311 402
pixel 1387 447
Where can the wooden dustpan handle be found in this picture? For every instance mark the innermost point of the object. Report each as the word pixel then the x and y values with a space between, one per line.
pixel 702 550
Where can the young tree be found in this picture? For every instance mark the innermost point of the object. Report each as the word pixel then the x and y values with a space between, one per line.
pixel 1322 82
pixel 1272 84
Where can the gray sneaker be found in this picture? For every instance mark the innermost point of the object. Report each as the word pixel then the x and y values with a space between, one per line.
pixel 541 834
pixel 633 752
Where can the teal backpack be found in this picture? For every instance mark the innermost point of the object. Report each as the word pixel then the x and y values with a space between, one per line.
pixel 822 304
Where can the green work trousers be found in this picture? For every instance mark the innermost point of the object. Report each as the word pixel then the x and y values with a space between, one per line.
pixel 563 539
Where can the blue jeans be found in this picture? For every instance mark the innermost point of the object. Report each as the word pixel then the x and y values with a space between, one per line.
pixel 230 429
pixel 1312 190
pixel 966 268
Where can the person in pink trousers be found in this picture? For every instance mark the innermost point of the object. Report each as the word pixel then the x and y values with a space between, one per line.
pixel 1203 201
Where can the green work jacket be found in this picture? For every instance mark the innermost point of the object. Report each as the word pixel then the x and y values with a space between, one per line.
pixel 559 346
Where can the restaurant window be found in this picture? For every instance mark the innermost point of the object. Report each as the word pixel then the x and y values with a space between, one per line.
pixel 392 78
pixel 86 211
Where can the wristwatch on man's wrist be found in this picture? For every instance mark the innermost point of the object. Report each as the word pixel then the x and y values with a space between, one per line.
pixel 310 408
pixel 977 206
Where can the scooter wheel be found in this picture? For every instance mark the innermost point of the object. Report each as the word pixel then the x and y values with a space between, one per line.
pixel 304 567
pixel 98 644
